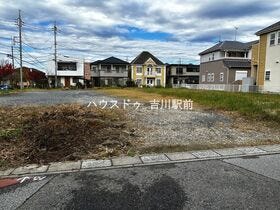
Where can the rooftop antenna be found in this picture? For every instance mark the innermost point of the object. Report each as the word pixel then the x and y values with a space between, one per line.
pixel 235 32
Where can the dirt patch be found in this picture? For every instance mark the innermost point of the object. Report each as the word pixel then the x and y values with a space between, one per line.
pixel 62 133
pixel 178 130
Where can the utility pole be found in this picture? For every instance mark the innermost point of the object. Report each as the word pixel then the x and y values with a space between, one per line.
pixel 178 73
pixel 55 54
pixel 12 49
pixel 19 23
pixel 235 33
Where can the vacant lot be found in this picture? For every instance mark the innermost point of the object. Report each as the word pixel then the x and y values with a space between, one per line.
pixel 46 126
pixel 60 133
pixel 214 122
pixel 255 106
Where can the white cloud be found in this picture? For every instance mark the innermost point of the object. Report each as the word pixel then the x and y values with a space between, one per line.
pixel 96 29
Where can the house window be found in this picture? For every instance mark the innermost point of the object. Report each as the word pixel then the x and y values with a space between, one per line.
pixel 139 70
pixel 203 78
pixel 150 70
pixel 75 80
pixel 272 38
pixel 210 77
pixel 150 82
pixel 108 69
pixel 267 75
pixel 158 70
pixel 179 70
pixel 93 68
pixel 158 82
pixel 117 69
pixel 213 56
pixel 66 66
pixel 221 77
pixel 192 69
pixel 278 37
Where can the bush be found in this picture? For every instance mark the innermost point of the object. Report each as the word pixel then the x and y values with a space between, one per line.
pixel 131 83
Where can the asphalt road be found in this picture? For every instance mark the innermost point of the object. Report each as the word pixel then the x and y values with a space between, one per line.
pixel 53 97
pixel 241 183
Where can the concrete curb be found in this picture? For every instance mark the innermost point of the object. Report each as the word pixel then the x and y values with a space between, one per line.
pixel 140 161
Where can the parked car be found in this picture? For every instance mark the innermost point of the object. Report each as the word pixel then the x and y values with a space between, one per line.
pixel 5 87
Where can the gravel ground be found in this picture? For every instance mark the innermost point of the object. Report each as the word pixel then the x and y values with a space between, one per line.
pixel 177 127
pixel 52 97
pixel 162 127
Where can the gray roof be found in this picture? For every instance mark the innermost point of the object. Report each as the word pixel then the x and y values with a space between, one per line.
pixel 273 27
pixel 110 60
pixel 228 45
pixel 144 56
pixel 237 63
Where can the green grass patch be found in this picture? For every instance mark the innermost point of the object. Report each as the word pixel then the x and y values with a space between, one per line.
pixel 255 105
pixel 9 133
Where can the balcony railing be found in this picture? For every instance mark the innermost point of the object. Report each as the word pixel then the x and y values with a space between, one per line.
pixel 151 74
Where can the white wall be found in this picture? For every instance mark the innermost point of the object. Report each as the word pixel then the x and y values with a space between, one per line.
pixel 79 72
pixel 217 55
pixel 272 57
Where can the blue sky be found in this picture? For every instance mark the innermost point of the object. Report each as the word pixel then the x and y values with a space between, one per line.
pixel 93 29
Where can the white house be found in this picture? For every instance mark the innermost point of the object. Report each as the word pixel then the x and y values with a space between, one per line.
pixel 70 71
pixel 268 61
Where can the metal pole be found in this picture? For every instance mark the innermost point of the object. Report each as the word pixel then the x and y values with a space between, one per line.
pixel 12 48
pixel 20 47
pixel 55 54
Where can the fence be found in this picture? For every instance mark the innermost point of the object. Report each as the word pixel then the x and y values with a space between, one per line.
pixel 221 87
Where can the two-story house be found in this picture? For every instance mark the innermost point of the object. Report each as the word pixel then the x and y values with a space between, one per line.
pixel 266 57
pixel 147 70
pixel 226 63
pixel 70 71
pixel 109 72
pixel 182 74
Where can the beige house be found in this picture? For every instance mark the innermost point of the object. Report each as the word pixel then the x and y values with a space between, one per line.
pixel 148 70
pixel 266 58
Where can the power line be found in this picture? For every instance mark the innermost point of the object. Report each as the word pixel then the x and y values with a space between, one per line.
pixel 35 59
pixel 36 48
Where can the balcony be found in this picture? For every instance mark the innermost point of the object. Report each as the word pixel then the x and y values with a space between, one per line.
pixel 151 74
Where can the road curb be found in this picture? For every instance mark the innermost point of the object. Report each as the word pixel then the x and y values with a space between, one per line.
pixel 139 161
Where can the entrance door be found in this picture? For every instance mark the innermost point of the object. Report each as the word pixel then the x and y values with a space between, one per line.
pixel 67 81
pixel 150 82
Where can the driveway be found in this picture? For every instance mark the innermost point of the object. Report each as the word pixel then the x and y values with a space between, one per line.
pixel 238 183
